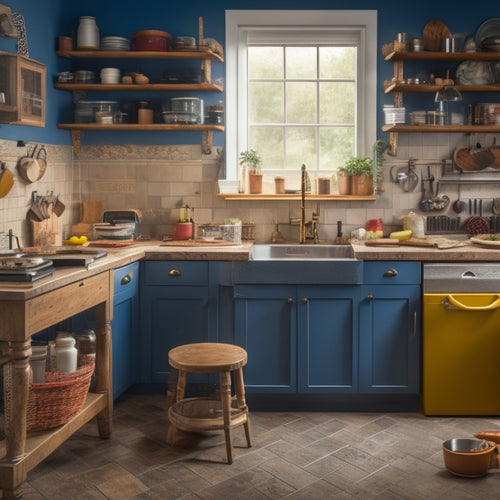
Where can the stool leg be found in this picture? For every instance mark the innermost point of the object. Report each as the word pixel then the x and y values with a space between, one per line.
pixel 172 387
pixel 239 388
pixel 225 394
pixel 175 392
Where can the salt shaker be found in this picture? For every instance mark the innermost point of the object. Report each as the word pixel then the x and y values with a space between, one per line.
pixel 66 353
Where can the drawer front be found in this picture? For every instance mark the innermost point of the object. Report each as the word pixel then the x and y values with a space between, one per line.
pixel 126 280
pixel 175 272
pixel 391 273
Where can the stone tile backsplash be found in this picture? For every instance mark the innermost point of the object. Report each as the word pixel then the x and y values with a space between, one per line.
pixel 158 180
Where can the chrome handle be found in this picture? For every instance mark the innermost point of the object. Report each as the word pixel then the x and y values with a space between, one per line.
pixel 390 273
pixel 174 272
pixel 126 279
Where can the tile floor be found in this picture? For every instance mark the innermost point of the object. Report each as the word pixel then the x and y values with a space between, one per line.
pixel 297 455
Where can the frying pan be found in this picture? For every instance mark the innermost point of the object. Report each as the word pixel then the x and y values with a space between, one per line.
pixel 29 167
pixel 6 180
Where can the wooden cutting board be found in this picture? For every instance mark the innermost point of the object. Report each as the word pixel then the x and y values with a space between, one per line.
pixel 197 243
pixel 110 243
pixel 91 211
pixel 433 35
pixel 464 159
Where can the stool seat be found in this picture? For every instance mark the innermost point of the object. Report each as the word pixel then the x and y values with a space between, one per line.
pixel 204 414
pixel 207 357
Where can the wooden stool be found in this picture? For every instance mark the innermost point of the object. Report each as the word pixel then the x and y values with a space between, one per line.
pixel 207 414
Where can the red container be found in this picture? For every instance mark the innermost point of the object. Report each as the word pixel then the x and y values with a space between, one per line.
pixel 151 40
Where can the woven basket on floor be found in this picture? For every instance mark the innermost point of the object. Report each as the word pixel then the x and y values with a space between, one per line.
pixel 59 398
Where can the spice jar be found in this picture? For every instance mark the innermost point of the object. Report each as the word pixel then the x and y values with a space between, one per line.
pixel 323 185
pixel 66 353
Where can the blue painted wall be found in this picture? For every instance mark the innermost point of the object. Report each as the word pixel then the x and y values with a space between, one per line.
pixel 46 19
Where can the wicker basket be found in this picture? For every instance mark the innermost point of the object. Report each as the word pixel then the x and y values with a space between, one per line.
pixel 60 398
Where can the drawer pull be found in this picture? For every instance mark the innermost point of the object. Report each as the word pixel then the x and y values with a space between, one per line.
pixel 126 279
pixel 369 297
pixel 174 272
pixel 304 300
pixel 390 273
pixel 289 300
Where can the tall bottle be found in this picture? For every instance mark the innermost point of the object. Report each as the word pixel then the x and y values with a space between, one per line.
pixel 87 35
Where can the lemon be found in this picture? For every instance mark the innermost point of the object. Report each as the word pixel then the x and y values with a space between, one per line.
pixel 83 239
pixel 74 240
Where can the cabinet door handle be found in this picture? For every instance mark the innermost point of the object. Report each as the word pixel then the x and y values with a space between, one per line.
pixel 289 300
pixel 174 272
pixel 126 279
pixel 369 297
pixel 304 300
pixel 390 273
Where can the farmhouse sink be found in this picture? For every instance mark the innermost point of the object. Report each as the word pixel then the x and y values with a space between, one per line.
pixel 300 252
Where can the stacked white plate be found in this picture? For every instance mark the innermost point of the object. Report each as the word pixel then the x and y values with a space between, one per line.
pixel 110 75
pixel 115 43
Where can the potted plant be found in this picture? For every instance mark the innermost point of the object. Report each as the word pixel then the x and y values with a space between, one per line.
pixel 344 180
pixel 251 160
pixel 360 170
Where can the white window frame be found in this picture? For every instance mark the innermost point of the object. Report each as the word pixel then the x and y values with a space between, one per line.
pixel 240 22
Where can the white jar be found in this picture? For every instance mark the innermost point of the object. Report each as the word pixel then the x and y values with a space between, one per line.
pixel 66 354
pixel 87 35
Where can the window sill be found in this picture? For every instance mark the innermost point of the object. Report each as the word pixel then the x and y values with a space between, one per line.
pixel 291 197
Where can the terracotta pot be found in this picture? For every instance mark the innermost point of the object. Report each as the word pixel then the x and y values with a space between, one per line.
pixel 344 183
pixel 362 185
pixel 255 182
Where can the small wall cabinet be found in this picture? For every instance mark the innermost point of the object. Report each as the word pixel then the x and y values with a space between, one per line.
pixel 22 90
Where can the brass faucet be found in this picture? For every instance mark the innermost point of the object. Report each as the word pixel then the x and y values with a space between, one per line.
pixel 308 230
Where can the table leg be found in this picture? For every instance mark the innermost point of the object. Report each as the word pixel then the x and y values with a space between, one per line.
pixel 103 368
pixel 16 393
pixel 225 394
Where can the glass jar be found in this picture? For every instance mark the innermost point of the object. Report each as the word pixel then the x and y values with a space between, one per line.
pixel 87 37
pixel 66 353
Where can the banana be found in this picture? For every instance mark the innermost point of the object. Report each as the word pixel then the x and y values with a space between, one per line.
pixel 401 235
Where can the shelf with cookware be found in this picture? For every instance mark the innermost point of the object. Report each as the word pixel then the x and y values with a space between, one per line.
pixel 206 56
pixel 399 86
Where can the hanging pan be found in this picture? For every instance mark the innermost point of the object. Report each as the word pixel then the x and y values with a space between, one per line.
pixel 29 167
pixel 6 180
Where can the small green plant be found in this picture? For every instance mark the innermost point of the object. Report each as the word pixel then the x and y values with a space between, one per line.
pixel 251 159
pixel 357 165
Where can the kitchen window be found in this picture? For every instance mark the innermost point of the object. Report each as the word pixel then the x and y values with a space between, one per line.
pixel 300 88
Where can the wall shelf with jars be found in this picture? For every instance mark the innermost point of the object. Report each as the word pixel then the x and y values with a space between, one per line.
pixel 398 86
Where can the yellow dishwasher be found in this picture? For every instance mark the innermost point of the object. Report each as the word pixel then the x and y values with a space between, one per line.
pixel 461 339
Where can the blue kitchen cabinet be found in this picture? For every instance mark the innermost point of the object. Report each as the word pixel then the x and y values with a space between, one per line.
pixel 125 342
pixel 265 326
pixel 390 336
pixel 176 304
pixel 299 338
pixel 124 327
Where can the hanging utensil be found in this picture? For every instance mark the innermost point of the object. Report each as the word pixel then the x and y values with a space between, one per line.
pixel 459 205
pixel 28 167
pixel 42 161
pixel 482 156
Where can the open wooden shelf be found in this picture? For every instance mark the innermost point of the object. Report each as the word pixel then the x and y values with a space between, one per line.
pixel 139 54
pixel 292 197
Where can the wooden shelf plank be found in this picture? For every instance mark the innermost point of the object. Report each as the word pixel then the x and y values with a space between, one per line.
pixel 149 87
pixel 138 54
pixel 442 128
pixel 122 127
pixel 403 87
pixel 291 197
pixel 445 56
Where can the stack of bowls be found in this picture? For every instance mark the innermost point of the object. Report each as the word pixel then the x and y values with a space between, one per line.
pixel 110 76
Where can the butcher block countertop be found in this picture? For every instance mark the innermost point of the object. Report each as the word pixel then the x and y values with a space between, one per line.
pixel 157 250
